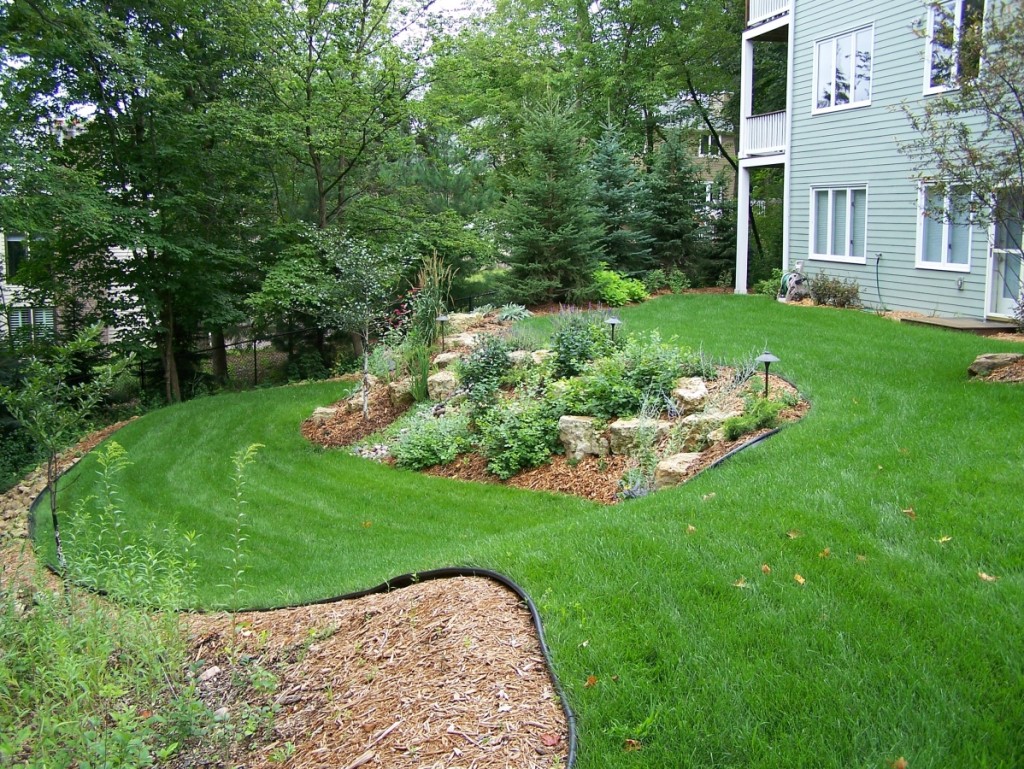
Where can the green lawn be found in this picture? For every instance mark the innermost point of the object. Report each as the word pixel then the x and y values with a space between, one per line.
pixel 893 646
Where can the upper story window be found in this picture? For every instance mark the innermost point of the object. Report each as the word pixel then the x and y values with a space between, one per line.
pixel 944 232
pixel 15 253
pixel 842 70
pixel 839 218
pixel 949 51
pixel 709 147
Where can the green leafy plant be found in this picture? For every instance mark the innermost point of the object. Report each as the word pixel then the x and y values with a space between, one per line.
pixel 578 339
pixel 616 290
pixel 432 298
pixel 430 440
pixel 484 369
pixel 654 280
pixel 513 312
pixel 236 547
pixel 518 433
pixel 770 286
pixel 417 363
pixel 677 281
pixel 833 292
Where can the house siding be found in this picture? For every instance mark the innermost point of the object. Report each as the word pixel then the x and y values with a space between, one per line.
pixel 860 146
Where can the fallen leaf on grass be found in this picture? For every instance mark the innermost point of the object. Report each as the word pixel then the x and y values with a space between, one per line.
pixel 944 540
pixel 550 740
pixel 766 569
pixel 986 577
pixel 909 512
pixel 706 497
pixel 591 682
pixel 585 644
pixel 799 580
pixel 741 582
pixel 899 763
pixel 632 745
pixel 862 559
pixel 825 553
pixel 367 524
pixel 691 529
pixel 794 533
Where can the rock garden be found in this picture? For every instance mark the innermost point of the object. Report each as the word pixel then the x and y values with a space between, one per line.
pixel 578 412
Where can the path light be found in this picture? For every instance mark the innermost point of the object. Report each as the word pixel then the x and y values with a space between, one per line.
pixel 442 319
pixel 767 359
pixel 613 322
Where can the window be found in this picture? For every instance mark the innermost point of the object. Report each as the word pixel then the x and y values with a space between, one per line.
pixel 1009 215
pixel 944 232
pixel 16 251
pixel 842 70
pixel 709 147
pixel 839 223
pixel 947 49
pixel 30 322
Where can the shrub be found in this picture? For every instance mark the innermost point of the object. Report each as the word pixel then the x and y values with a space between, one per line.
pixel 770 286
pixel 484 369
pixel 513 312
pixel 655 280
pixel 698 363
pixel 616 290
pixel 518 433
pixel 433 440
pixel 759 414
pixel 677 281
pixel 307 366
pixel 1018 316
pixel 833 292
pixel 431 298
pixel 578 339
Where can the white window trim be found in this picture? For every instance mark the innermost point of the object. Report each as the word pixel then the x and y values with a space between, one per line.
pixel 943 266
pixel 714 151
pixel 848 188
pixel 958 16
pixel 852 33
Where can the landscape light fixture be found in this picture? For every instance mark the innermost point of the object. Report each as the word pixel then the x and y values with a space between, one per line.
pixel 442 319
pixel 767 359
pixel 613 321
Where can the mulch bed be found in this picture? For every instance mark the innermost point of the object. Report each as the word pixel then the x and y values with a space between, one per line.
pixel 1011 373
pixel 349 426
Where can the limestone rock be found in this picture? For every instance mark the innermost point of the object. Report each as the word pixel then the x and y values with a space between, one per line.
pixel 461 321
pixel 700 427
pixel 622 433
pixel 466 339
pixel 323 414
pixel 580 437
pixel 985 364
pixel 442 385
pixel 672 470
pixel 446 359
pixel 539 356
pixel 400 392
pixel 690 393
pixel 519 357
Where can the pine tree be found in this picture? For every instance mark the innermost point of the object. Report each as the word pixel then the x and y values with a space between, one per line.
pixel 622 201
pixel 551 229
pixel 677 196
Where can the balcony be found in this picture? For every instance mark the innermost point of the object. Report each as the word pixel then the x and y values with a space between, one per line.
pixel 764 134
pixel 762 10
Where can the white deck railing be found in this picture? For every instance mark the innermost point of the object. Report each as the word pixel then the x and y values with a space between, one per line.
pixel 760 10
pixel 764 134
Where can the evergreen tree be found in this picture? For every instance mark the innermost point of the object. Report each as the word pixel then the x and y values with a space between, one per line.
pixel 677 197
pixel 552 234
pixel 622 202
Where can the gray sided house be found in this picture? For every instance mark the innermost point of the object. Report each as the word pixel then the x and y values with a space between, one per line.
pixel 855 207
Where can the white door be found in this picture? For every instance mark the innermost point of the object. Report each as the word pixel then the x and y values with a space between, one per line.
pixel 1007 252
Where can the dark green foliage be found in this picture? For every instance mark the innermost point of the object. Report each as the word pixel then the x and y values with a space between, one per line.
pixel 675 194
pixel 433 440
pixel 771 285
pixel 551 230
pixel 518 433
pixel 307 366
pixel 417 359
pixel 833 292
pixel 622 202
pixel 578 338
pixel 485 368
pixel 758 414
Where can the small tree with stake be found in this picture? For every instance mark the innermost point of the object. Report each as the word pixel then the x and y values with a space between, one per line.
pixel 52 407
pixel 369 279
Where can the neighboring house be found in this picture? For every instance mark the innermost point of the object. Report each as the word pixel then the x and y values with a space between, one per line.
pixel 17 316
pixel 853 205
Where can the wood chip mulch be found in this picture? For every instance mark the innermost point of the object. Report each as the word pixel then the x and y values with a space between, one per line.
pixel 1011 373
pixel 445 673
pixel 348 426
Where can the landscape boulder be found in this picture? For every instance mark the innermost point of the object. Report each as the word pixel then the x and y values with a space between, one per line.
pixel 622 433
pixel 985 364
pixel 323 414
pixel 446 359
pixel 672 470
pixel 702 426
pixel 690 394
pixel 442 385
pixel 580 437
pixel 400 392
pixel 520 357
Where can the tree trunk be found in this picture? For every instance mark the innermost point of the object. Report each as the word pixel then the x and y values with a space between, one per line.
pixel 172 387
pixel 366 372
pixel 219 357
